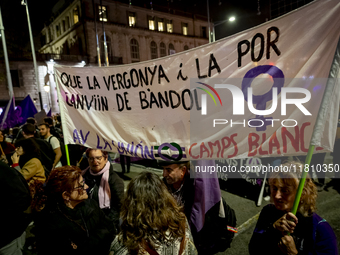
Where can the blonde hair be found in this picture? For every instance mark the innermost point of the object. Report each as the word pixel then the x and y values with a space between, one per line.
pixel 289 174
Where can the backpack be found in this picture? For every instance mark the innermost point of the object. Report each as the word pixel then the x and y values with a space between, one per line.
pixel 63 158
pixel 217 233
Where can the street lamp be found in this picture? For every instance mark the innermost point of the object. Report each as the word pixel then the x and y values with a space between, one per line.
pixel 231 19
pixel 24 2
pixel 47 88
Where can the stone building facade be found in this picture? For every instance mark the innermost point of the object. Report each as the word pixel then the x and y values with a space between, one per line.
pixel 133 34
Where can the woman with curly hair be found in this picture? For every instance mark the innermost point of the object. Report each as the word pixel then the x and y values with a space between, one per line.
pixel 26 159
pixel 152 222
pixel 67 222
pixel 278 231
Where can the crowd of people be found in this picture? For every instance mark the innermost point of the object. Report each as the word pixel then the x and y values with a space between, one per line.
pixel 84 209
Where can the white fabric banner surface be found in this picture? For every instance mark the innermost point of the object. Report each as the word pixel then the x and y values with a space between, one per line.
pixel 155 109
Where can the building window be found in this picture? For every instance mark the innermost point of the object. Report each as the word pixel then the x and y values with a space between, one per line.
pixel 132 19
pixel 57 28
pixel 50 34
pixel 204 32
pixel 134 50
pixel 76 15
pixel 16 77
pixel 67 23
pixel 64 26
pixel 171 49
pixel 162 49
pixel 153 47
pixel 186 47
pixel 151 23
pixel 102 13
pixel 169 27
pixel 185 28
pixel 160 25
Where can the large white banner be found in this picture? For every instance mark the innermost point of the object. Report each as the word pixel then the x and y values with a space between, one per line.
pixel 253 94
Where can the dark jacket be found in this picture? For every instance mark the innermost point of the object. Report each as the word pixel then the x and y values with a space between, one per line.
pixel 186 196
pixel 15 199
pixel 117 193
pixel 312 235
pixel 47 154
pixel 82 230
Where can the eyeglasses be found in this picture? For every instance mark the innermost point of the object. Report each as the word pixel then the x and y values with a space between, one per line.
pixel 96 158
pixel 82 185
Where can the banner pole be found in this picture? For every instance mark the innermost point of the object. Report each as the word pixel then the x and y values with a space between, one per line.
pixel 67 154
pixel 303 179
pixel 63 120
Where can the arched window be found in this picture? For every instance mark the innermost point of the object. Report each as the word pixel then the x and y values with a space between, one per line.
pixel 186 47
pixel 153 47
pixel 171 49
pixel 162 49
pixel 102 49
pixel 134 50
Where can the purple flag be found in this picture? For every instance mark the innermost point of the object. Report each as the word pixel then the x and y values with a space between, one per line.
pixel 49 114
pixel 25 110
pixel 8 118
pixel 207 194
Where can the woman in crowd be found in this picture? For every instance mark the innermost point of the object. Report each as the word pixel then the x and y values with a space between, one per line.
pixel 67 222
pixel 278 231
pixel 6 149
pixel 152 222
pixel 26 159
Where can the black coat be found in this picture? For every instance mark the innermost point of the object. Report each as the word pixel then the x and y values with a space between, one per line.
pixel 15 199
pixel 116 189
pixel 82 230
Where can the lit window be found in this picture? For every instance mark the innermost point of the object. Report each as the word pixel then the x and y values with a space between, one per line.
pixel 134 50
pixel 169 28
pixel 151 24
pixel 185 28
pixel 153 47
pixel 161 25
pixel 132 19
pixel 162 49
pixel 76 15
pixel 102 13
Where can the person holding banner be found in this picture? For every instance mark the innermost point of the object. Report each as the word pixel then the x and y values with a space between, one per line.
pixel 105 186
pixel 152 222
pixel 278 231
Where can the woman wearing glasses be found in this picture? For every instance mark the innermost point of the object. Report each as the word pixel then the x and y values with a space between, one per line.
pixel 69 223
pixel 105 186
